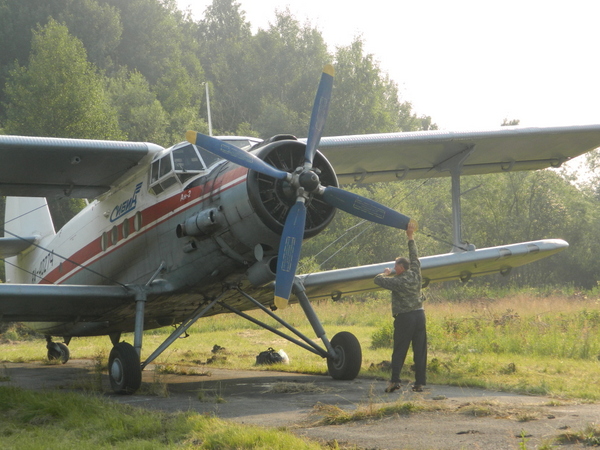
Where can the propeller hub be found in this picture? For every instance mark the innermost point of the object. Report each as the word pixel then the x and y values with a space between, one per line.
pixel 309 180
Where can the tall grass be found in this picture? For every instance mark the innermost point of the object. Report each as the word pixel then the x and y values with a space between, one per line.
pixel 545 342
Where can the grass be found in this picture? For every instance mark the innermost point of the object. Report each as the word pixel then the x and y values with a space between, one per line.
pixel 70 421
pixel 525 342
pixel 589 436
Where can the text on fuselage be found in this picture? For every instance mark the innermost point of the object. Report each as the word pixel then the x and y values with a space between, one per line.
pixel 127 206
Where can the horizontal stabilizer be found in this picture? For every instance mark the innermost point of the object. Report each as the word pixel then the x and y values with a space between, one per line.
pixel 12 246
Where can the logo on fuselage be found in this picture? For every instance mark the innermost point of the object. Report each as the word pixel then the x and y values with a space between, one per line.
pixel 127 205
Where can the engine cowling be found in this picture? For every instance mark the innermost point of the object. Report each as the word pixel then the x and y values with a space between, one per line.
pixel 272 199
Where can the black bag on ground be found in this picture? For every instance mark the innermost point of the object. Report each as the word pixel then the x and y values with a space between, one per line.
pixel 269 356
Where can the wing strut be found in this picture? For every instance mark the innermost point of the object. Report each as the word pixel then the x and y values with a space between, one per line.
pixel 454 165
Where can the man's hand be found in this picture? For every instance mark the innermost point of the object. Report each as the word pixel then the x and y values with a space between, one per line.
pixel 387 271
pixel 411 228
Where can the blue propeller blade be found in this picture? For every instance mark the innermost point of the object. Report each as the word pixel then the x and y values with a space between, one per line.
pixel 319 113
pixel 364 208
pixel 234 154
pixel 289 252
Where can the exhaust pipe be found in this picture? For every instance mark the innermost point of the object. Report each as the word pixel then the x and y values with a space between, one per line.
pixel 204 223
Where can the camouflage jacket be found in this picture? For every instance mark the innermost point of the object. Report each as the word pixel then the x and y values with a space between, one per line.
pixel 406 288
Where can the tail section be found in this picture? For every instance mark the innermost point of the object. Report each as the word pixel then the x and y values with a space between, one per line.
pixel 26 220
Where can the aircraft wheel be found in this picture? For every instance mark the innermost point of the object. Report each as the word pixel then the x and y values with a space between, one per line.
pixel 349 357
pixel 58 351
pixel 124 369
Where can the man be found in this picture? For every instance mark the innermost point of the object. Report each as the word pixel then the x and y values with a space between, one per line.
pixel 409 316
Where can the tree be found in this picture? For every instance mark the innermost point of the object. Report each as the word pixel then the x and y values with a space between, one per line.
pixel 225 53
pixel 141 115
pixel 59 93
pixel 365 100
pixel 288 58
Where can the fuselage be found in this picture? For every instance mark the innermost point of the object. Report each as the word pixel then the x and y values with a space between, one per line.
pixel 190 222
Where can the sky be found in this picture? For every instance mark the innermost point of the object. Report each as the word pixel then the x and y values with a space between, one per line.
pixel 469 64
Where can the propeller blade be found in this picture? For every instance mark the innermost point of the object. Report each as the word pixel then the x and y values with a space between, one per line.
pixel 234 154
pixel 289 252
pixel 319 113
pixel 365 208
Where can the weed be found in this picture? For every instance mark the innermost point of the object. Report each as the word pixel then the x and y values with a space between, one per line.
pixel 523 441
pixel 334 415
pixel 481 409
pixel 4 376
pixel 284 387
pixel 526 416
pixel 211 395
pixel 589 436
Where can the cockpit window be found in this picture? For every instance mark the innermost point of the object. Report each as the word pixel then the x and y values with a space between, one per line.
pixel 208 157
pixel 186 159
pixel 187 162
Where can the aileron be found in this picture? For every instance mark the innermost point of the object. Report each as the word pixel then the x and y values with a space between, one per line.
pixel 415 155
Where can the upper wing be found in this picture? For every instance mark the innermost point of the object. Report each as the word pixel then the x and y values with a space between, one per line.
pixel 402 156
pixel 449 266
pixel 46 167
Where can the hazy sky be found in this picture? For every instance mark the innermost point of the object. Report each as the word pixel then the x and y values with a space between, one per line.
pixel 467 63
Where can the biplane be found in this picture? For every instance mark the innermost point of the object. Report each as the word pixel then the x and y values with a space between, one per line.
pixel 215 225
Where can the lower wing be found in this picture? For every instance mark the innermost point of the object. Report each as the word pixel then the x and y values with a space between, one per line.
pixel 450 266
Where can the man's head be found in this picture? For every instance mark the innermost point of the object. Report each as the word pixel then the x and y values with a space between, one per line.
pixel 402 264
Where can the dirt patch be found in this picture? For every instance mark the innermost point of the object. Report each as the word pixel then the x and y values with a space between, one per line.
pixel 441 417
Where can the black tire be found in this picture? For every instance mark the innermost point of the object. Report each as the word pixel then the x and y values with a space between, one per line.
pixel 58 351
pixel 124 369
pixel 349 357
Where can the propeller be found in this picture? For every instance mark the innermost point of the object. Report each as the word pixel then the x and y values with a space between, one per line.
pixel 235 155
pixel 305 184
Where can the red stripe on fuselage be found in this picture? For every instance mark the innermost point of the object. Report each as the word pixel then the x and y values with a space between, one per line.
pixel 151 217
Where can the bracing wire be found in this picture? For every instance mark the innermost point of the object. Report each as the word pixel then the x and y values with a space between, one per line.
pixel 371 224
pixel 64 258
pixel 3 229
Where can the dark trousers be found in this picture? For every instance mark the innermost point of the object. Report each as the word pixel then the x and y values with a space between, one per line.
pixel 410 328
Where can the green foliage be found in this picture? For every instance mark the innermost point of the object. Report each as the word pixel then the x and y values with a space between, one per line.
pixel 365 100
pixel 488 330
pixel 58 93
pixel 141 115
pixel 108 69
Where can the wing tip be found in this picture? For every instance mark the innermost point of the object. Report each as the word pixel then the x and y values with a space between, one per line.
pixel 329 70
pixel 190 136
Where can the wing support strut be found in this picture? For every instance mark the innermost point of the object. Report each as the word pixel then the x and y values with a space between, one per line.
pixel 454 165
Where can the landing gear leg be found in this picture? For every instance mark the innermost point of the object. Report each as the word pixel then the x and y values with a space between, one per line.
pixel 344 353
pixel 124 368
pixel 57 351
